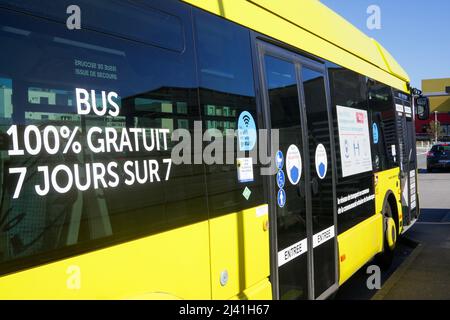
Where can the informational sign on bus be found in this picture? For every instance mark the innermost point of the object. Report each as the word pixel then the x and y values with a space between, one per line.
pixel 53 140
pixel 354 140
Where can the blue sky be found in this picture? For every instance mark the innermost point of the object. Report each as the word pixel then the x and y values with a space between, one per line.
pixel 415 32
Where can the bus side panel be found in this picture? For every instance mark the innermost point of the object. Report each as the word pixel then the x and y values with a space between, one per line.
pixel 173 264
pixel 358 245
pixel 240 253
pixel 388 180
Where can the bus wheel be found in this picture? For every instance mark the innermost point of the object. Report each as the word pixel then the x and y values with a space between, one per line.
pixel 384 259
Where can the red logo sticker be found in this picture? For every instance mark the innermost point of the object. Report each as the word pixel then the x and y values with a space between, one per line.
pixel 360 117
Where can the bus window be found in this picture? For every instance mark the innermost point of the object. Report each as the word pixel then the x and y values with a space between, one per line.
pixel 227 90
pixel 138 21
pixel 73 181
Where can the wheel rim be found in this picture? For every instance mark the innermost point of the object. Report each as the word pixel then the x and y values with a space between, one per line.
pixel 391 233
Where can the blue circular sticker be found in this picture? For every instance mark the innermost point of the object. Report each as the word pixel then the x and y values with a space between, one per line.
pixel 279 159
pixel 246 131
pixel 375 133
pixel 281 198
pixel 280 179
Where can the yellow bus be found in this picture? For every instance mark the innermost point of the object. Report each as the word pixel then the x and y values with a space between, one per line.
pixel 93 98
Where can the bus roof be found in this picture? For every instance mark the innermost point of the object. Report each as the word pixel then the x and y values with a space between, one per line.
pixel 311 26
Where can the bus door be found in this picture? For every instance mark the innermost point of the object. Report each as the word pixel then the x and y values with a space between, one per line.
pixel 301 193
pixel 407 156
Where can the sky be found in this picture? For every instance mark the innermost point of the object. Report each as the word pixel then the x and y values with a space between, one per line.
pixel 415 32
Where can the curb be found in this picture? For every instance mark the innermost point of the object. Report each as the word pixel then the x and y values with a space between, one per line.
pixel 397 275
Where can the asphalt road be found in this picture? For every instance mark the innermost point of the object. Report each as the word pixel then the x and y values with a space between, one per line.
pixel 421 265
pixel 434 188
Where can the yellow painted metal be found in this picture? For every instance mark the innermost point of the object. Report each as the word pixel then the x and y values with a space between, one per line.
pixel 392 65
pixel 239 247
pixel 260 291
pixel 391 232
pixel 388 180
pixel 169 265
pixel 312 27
pixel 358 245
pixel 440 104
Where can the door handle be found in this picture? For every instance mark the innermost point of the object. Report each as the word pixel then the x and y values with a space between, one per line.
pixel 315 186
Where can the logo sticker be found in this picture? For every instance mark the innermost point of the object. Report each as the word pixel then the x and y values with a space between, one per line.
pixel 321 161
pixel 293 164
pixel 246 131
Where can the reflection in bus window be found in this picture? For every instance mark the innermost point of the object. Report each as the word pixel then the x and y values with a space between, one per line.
pixel 227 89
pixel 5 100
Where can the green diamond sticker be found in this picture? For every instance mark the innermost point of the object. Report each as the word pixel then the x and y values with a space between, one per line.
pixel 246 193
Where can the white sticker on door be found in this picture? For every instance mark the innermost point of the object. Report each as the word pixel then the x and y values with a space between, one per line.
pixel 293 164
pixel 292 252
pixel 323 236
pixel 245 169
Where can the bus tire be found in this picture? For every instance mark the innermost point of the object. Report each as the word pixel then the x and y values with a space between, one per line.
pixel 384 259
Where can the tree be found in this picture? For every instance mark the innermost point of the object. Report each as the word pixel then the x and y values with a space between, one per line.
pixel 433 128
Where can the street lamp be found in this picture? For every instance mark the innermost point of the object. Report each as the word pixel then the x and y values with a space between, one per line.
pixel 435 127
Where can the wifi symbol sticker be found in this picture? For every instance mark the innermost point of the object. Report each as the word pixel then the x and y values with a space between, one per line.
pixel 246 120
pixel 246 131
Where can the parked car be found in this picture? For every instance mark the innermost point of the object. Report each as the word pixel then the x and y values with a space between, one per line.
pixel 438 157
